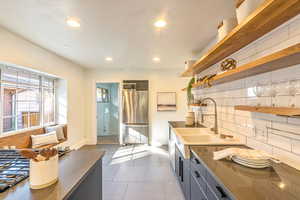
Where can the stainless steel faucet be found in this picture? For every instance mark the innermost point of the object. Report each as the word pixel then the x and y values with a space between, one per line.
pixel 215 129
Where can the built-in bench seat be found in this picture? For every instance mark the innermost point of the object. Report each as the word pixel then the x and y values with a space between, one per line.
pixel 22 140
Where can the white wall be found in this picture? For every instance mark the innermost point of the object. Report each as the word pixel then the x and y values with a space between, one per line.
pixel 16 50
pixel 277 135
pixel 61 99
pixel 159 81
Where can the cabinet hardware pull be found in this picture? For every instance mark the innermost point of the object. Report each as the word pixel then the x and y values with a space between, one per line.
pixel 197 161
pixel 223 195
pixel 197 174
pixel 179 165
pixel 182 180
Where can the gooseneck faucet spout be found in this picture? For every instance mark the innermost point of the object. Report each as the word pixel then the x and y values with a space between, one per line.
pixel 215 129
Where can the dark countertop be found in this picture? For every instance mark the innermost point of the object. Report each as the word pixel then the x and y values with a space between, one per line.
pixel 73 167
pixel 278 183
pixel 181 124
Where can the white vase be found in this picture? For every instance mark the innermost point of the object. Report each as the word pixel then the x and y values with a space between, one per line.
pixel 228 25
pixel 43 173
pixel 247 8
pixel 190 119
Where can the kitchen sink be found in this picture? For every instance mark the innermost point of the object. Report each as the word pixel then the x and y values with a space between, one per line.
pixel 185 137
pixel 192 131
pixel 201 136
pixel 198 138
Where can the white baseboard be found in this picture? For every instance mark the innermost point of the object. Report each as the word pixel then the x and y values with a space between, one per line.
pixel 91 142
pixel 78 145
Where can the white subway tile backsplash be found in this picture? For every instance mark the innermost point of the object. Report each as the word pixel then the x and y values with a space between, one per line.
pixel 241 138
pixel 259 145
pixel 247 131
pixel 294 121
pixel 239 101
pixel 297 100
pixel 283 101
pixel 296 146
pixel 287 157
pixel 269 117
pixel 286 127
pixel 242 121
pixel 243 113
pixel 289 73
pixel 261 135
pixel 287 43
pixel 280 142
pixel 294 28
pixel 260 123
pixel 275 134
pixel 263 53
pixel 262 79
pixel 230 126
pixel 259 101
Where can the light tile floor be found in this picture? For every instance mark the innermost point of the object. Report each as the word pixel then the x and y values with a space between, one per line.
pixel 138 172
pixel 108 139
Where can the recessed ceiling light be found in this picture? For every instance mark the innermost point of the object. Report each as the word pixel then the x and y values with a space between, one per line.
pixel 160 23
pixel 156 59
pixel 73 22
pixel 109 59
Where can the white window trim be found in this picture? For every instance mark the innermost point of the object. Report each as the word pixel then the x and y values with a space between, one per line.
pixel 42 124
pixel 1 107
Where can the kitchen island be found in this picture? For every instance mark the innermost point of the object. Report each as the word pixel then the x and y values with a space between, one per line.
pixel 80 177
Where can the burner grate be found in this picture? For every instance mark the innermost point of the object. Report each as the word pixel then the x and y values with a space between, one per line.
pixel 13 169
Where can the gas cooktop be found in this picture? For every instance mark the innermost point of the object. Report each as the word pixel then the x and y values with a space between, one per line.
pixel 13 168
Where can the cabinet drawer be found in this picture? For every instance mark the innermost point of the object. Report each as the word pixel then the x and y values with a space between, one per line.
pixel 216 188
pixel 196 174
pixel 196 191
pixel 197 163
pixel 211 195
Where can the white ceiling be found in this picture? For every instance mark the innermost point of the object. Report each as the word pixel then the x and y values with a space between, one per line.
pixel 122 29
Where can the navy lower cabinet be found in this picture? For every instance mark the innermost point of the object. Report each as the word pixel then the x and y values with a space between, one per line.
pixel 203 185
pixel 196 181
pixel 197 192
pixel 182 170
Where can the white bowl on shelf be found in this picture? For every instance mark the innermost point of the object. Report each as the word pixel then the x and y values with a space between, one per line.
pixel 246 9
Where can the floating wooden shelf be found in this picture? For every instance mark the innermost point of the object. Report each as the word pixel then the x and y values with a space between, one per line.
pixel 268 16
pixel 198 105
pixel 282 111
pixel 279 60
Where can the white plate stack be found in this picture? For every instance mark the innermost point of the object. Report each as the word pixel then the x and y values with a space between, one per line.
pixel 252 158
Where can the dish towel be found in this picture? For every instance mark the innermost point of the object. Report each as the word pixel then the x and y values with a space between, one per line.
pixel 250 154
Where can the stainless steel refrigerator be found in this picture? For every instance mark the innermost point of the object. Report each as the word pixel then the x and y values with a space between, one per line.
pixel 135 111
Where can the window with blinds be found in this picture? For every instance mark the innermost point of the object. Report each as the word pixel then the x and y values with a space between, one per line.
pixel 28 99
